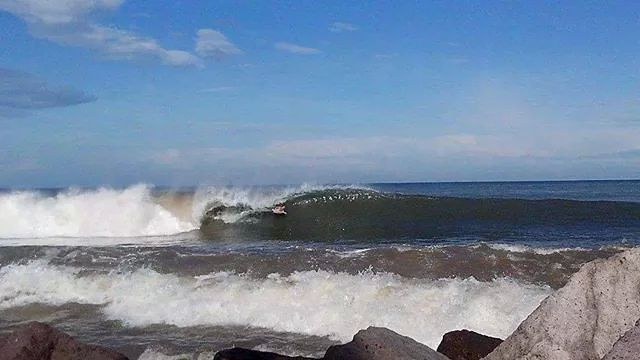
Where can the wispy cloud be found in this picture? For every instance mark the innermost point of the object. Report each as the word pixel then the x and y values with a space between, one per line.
pixel 70 22
pixel 443 157
pixel 212 43
pixel 338 27
pixel 218 89
pixel 20 91
pixel 458 60
pixel 384 56
pixel 296 49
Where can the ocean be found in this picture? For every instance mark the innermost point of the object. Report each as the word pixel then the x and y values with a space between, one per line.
pixel 151 271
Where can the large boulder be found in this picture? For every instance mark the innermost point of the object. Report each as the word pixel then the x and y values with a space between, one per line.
pixel 582 320
pixel 246 354
pixel 38 341
pixel 627 347
pixel 377 343
pixel 467 345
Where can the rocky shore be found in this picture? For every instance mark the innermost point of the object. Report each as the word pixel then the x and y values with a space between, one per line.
pixel 596 315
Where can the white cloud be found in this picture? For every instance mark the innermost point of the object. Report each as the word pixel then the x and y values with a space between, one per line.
pixel 179 58
pixel 56 12
pixel 212 43
pixel 339 27
pixel 68 22
pixel 296 49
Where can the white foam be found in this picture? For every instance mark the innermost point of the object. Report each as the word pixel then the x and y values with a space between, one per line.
pixel 347 254
pixel 157 354
pixel 74 213
pixel 519 248
pixel 310 302
pixel 156 241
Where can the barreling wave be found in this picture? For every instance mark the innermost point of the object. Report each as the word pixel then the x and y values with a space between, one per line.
pixel 318 213
pixel 137 211
pixel 365 214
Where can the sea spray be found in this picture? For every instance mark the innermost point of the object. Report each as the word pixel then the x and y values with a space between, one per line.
pixel 136 211
pixel 74 213
pixel 306 302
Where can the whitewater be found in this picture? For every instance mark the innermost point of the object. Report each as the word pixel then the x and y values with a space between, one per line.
pixel 188 271
pixel 75 213
pixel 131 212
pixel 342 303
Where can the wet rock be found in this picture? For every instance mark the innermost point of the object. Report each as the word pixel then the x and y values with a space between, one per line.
pixel 467 345
pixel 246 354
pixel 38 341
pixel 627 347
pixel 377 343
pixel 582 320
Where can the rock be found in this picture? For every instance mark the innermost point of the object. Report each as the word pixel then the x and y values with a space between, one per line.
pixel 627 347
pixel 582 320
pixel 467 345
pixel 38 341
pixel 377 343
pixel 246 354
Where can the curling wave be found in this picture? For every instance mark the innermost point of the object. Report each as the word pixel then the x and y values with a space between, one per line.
pixel 365 214
pixel 137 211
pixel 316 213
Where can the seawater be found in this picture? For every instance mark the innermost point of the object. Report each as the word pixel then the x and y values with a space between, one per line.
pixel 152 271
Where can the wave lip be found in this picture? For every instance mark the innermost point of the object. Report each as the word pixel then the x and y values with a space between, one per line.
pixel 94 213
pixel 237 204
pixel 307 302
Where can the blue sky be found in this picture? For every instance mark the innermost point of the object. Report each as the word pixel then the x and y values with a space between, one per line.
pixel 114 92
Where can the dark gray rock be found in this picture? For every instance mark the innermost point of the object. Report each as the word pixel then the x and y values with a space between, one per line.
pixel 38 341
pixel 627 347
pixel 467 345
pixel 376 343
pixel 246 354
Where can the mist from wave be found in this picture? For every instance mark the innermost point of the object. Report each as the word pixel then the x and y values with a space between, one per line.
pixel 87 213
pixel 136 211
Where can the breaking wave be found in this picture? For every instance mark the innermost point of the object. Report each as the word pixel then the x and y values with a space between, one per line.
pixel 365 214
pixel 318 213
pixel 76 213
pixel 317 302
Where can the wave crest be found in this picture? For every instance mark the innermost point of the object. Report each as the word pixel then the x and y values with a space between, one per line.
pixel 74 213
pixel 318 213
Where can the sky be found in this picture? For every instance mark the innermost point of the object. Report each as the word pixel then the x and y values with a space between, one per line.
pixel 118 92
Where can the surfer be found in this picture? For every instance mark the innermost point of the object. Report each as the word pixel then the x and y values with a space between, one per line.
pixel 280 209
pixel 216 211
